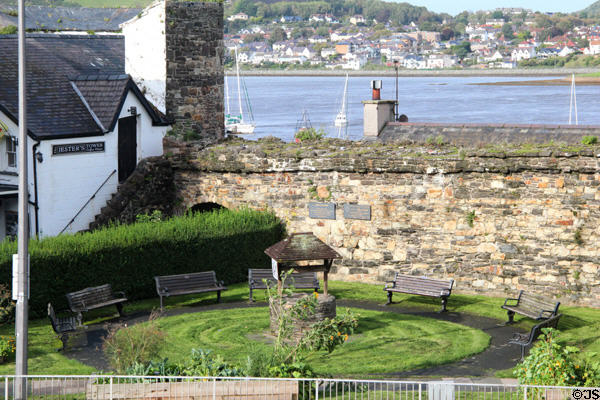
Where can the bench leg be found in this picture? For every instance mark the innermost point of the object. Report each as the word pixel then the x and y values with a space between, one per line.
pixel 64 338
pixel 251 299
pixel 120 309
pixel 79 319
pixel 389 298
pixel 444 303
pixel 218 296
pixel 161 302
pixel 511 317
pixel 522 353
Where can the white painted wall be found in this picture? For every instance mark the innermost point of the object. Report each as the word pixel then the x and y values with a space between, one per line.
pixel 66 182
pixel 146 53
pixel 7 176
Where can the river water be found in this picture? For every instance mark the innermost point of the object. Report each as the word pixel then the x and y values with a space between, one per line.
pixel 278 102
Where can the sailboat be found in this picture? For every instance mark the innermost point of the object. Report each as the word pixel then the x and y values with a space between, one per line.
pixel 341 119
pixel 235 123
pixel 573 102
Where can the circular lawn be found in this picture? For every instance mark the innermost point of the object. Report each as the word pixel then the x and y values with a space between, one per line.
pixel 384 342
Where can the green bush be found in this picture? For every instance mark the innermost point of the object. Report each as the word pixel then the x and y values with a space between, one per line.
pixel 131 345
pixel 589 140
pixel 129 256
pixel 309 134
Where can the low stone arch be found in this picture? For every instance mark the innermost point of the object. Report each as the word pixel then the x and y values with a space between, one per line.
pixel 206 207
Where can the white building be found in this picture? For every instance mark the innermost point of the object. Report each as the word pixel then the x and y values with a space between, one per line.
pixel 88 127
pixel 238 17
pixel 522 53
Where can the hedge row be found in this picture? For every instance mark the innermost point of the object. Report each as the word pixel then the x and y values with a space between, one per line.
pixel 129 256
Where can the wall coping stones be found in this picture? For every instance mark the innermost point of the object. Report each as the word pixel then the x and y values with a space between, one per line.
pixel 268 155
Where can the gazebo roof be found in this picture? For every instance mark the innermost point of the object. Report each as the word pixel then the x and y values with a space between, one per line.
pixel 301 247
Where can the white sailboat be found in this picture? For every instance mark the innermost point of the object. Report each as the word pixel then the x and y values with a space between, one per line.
pixel 235 123
pixel 341 119
pixel 573 102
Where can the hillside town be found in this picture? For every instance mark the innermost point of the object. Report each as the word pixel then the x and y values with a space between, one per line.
pixel 505 38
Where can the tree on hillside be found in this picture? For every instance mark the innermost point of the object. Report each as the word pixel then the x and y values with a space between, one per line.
pixel 245 6
pixel 461 50
pixel 277 35
pixel 507 31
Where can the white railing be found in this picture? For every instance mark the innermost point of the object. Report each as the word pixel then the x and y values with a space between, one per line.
pixel 111 387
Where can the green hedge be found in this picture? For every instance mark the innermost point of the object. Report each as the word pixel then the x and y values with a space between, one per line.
pixel 129 256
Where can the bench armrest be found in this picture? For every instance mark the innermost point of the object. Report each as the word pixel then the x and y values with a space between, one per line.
pixel 120 293
pixel 546 313
pixel 510 299
pixel 387 284
pixel 221 283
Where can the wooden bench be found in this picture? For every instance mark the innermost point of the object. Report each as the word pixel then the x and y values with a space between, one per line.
pixel 299 280
pixel 526 339
pixel 62 326
pixel 420 285
pixel 95 297
pixel 531 306
pixel 195 282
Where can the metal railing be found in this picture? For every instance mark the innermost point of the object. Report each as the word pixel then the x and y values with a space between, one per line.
pixel 109 387
pixel 88 201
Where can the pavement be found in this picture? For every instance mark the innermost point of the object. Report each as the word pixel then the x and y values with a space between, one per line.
pixel 479 368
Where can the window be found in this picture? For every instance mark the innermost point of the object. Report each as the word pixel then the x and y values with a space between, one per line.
pixel 11 152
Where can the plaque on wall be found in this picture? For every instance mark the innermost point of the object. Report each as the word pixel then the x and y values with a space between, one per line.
pixel 357 211
pixel 321 210
pixel 94 147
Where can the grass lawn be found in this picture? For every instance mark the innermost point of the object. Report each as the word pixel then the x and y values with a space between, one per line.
pixel 580 326
pixel 384 342
pixel 113 3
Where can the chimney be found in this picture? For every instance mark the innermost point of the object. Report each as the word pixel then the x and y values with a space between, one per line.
pixel 377 112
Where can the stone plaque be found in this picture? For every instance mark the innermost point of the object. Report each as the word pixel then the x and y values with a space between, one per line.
pixel 357 211
pixel 321 210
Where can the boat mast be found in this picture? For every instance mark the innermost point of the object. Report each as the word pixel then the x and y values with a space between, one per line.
pixel 237 71
pixel 573 101
pixel 227 96
pixel 341 120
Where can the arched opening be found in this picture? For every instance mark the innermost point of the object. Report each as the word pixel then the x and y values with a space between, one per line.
pixel 206 207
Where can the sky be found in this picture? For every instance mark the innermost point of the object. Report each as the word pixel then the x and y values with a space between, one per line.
pixel 455 7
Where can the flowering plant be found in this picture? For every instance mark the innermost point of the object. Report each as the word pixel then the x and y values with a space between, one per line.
pixel 7 346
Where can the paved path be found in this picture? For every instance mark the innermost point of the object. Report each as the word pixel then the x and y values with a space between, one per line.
pixel 498 356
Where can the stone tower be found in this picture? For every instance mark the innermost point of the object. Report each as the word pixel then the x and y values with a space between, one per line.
pixel 174 52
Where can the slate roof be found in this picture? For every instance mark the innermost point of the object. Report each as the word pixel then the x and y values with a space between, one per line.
pixel 71 18
pixel 301 247
pixel 63 100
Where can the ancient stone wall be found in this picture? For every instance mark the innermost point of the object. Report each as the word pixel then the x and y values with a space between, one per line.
pixel 194 87
pixel 496 220
pixel 484 134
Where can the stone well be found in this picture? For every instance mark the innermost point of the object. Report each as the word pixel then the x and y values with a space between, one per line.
pixel 325 309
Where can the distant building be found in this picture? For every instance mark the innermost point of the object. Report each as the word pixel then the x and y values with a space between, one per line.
pixel 238 17
pixel 344 47
pixel 290 18
pixel 594 47
pixel 357 19
pixel 523 53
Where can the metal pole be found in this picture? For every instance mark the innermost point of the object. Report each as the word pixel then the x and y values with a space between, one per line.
pixel 23 232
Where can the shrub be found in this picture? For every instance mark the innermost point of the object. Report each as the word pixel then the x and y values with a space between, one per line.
pixel 550 363
pixel 7 347
pixel 129 256
pixel 125 345
pixel 589 140
pixel 8 30
pixel 7 307
pixel 309 134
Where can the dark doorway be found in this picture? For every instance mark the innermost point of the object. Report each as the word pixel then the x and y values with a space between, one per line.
pixel 127 147
pixel 206 207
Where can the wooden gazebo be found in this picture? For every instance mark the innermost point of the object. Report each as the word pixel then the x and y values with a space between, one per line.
pixel 302 252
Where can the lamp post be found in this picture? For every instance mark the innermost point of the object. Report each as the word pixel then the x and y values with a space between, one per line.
pixel 22 272
pixel 396 105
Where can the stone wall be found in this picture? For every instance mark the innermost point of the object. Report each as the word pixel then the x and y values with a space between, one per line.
pixel 149 188
pixel 485 134
pixel 194 87
pixel 496 220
